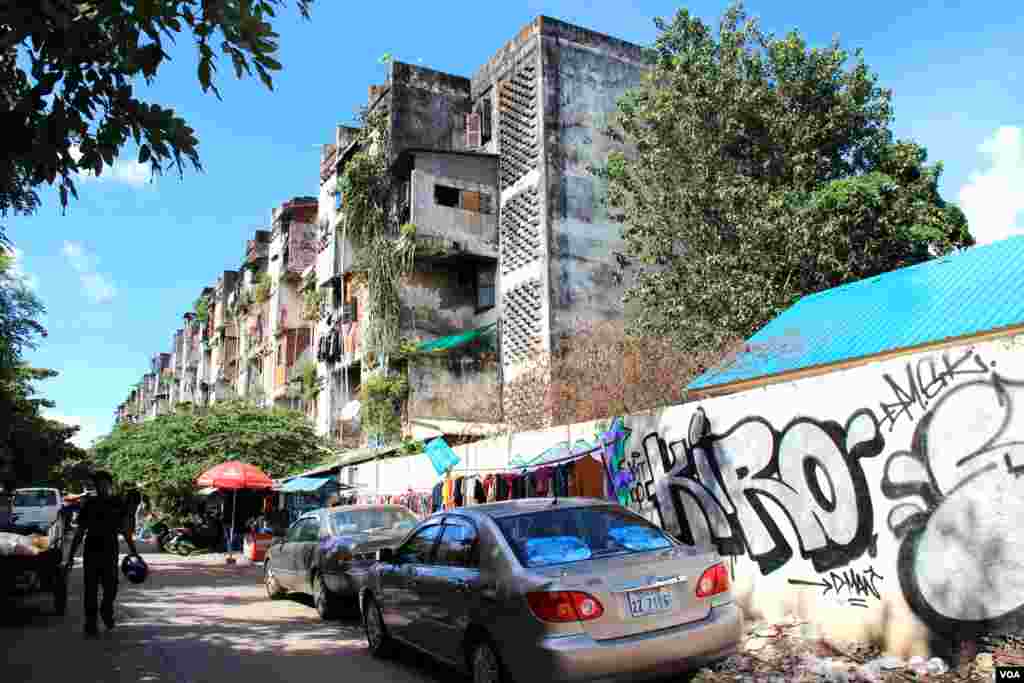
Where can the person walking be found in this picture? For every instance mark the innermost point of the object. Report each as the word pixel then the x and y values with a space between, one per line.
pixel 102 518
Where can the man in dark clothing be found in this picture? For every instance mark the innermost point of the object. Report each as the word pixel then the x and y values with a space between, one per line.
pixel 102 518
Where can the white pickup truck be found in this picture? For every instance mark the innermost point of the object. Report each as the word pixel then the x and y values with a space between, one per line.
pixel 37 506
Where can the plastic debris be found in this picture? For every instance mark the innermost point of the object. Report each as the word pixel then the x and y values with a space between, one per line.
pixel 936 666
pixel 984 661
pixel 918 665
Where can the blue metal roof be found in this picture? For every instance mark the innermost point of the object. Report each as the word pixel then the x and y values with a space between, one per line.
pixel 970 292
pixel 304 484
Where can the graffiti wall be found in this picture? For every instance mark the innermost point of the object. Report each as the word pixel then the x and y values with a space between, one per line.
pixel 883 501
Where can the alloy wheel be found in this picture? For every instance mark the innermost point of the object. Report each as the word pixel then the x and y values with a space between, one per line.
pixel 273 590
pixel 374 627
pixel 485 665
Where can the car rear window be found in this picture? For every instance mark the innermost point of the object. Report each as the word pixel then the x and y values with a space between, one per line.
pixel 541 539
pixel 35 499
pixel 373 521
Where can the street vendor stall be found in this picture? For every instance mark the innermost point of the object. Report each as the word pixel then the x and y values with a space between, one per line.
pixel 235 476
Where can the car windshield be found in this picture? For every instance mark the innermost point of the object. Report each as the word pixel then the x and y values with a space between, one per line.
pixel 541 539
pixel 370 521
pixel 34 499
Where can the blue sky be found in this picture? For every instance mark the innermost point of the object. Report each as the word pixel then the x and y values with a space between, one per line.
pixel 119 269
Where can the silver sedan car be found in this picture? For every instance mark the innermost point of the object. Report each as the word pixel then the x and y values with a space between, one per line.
pixel 543 589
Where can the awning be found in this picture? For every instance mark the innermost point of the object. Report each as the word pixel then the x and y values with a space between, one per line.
pixel 304 484
pixel 455 340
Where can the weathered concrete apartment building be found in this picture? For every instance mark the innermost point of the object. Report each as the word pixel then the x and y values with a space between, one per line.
pixel 513 245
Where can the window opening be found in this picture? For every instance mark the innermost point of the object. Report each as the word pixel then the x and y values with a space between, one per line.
pixel 446 196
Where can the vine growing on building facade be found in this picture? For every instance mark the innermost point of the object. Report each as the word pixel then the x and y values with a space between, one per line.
pixel 384 248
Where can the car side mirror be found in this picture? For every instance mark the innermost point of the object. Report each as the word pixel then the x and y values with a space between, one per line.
pixel 386 555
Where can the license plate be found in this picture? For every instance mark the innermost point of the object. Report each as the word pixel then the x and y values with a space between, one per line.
pixel 643 603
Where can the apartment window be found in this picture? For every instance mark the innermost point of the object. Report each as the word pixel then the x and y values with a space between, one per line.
pixel 446 196
pixel 467 200
pixel 485 288
pixel 485 118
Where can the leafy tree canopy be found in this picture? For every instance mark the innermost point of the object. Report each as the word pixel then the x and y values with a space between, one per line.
pixel 762 170
pixel 31 446
pixel 67 70
pixel 166 454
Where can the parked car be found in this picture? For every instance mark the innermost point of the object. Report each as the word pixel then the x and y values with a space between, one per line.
pixel 573 589
pixel 38 507
pixel 328 553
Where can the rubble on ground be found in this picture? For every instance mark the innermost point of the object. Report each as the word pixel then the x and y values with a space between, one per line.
pixel 788 652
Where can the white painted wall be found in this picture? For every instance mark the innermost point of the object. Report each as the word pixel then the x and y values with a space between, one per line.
pixel 883 501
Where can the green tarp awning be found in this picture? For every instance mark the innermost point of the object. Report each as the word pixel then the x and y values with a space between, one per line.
pixel 455 340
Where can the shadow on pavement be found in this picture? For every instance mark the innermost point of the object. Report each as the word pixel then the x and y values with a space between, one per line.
pixel 197 619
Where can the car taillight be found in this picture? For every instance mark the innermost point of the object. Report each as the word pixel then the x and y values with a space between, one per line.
pixel 560 607
pixel 713 581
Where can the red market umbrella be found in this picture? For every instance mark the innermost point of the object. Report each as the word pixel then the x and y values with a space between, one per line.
pixel 233 476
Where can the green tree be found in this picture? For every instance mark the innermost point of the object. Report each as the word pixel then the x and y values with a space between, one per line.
pixel 31 446
pixel 166 454
pixel 762 170
pixel 67 74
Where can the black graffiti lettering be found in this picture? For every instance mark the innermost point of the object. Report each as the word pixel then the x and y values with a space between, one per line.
pixel 925 382
pixel 906 400
pixel 1016 470
pixel 954 369
pixel 858 585
pixel 807 474
pixel 937 380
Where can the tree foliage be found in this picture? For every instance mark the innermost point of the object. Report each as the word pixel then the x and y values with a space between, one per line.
pixel 67 75
pixel 600 371
pixel 762 170
pixel 166 455
pixel 31 446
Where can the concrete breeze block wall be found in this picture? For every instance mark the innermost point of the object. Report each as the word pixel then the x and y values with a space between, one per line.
pixel 880 502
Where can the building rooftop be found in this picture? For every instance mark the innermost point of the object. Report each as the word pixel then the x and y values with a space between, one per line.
pixel 956 296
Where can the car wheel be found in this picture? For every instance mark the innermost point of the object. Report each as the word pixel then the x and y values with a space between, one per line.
pixel 377 636
pixel 486 666
pixel 325 602
pixel 274 590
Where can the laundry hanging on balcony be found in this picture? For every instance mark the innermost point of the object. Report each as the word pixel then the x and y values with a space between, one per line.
pixel 481 334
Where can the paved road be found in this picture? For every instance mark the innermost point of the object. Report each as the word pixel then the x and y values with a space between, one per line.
pixel 195 620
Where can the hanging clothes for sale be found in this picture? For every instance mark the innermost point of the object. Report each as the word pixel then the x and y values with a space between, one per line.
pixel 589 478
pixel 458 492
pixel 491 487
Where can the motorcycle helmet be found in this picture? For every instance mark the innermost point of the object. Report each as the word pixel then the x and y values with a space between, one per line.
pixel 134 568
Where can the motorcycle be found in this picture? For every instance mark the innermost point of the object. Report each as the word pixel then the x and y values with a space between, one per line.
pixel 205 536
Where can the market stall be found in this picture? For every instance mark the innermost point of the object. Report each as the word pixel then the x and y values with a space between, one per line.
pixel 235 476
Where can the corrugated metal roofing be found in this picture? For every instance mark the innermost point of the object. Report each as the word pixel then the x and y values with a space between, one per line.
pixel 971 292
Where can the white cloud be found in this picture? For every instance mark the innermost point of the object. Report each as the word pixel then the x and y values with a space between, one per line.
pixel 98 287
pixel 127 172
pixel 88 431
pixel 993 199
pixel 17 270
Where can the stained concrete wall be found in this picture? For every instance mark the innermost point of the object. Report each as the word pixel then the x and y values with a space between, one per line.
pixel 438 301
pixel 881 502
pixel 469 391
pixel 476 233
pixel 584 74
pixel 428 109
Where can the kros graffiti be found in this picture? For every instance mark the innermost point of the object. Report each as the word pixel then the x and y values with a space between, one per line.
pixel 961 555
pixel 733 490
